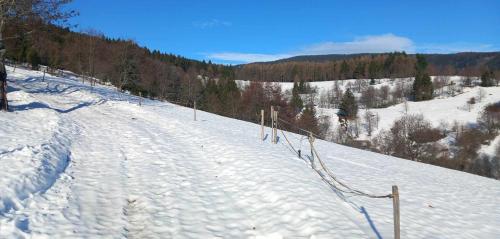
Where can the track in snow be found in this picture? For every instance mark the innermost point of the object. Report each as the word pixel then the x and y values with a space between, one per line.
pixel 152 172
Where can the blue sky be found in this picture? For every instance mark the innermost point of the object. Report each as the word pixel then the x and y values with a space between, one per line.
pixel 245 31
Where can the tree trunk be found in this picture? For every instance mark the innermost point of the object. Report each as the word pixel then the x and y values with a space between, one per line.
pixel 4 105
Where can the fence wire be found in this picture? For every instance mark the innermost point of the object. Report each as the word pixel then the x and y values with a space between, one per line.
pixel 331 179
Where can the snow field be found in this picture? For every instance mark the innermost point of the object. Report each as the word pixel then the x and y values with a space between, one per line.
pixel 108 168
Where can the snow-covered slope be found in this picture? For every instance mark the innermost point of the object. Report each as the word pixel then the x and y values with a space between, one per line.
pixel 90 162
pixel 444 111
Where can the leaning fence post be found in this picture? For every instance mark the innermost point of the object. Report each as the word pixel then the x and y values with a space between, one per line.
pixel 272 123
pixel 194 108
pixel 275 127
pixel 262 124
pixel 395 203
pixel 311 141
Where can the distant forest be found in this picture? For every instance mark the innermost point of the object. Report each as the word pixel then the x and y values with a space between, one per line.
pixel 367 66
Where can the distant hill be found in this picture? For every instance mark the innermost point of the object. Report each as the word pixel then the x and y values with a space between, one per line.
pixel 458 60
pixel 466 59
pixel 314 58
pixel 367 65
pixel 321 58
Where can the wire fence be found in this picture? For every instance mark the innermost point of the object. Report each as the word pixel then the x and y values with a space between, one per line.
pixel 300 130
pixel 325 173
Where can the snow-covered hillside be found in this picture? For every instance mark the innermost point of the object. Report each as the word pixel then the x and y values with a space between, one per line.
pixel 442 111
pixel 437 111
pixel 82 162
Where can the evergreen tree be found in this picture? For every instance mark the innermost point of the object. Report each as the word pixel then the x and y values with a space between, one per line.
pixel 359 71
pixel 487 79
pixel 344 70
pixel 301 87
pixel 389 64
pixel 422 86
pixel 210 100
pixel 373 70
pixel 20 50
pixel 34 59
pixel 308 119
pixel 129 77
pixel 349 106
pixel 296 101
pixel 229 95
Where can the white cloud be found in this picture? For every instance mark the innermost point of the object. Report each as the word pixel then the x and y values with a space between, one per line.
pixel 366 44
pixel 246 57
pixel 212 23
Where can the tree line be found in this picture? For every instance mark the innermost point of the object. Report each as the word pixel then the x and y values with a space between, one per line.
pixel 121 62
pixel 364 66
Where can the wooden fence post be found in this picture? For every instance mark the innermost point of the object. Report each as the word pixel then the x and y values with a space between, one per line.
pixel 140 98
pixel 272 123
pixel 194 108
pixel 262 124
pixel 311 141
pixel 395 203
pixel 275 127
pixel 43 78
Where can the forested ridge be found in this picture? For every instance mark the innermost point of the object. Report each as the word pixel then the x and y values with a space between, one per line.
pixel 367 66
pixel 121 62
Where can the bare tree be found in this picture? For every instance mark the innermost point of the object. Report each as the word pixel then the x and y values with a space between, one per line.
pixel 384 94
pixel 398 92
pixel 47 11
pixel 128 71
pixel 324 99
pixel 324 125
pixel 369 97
pixel 471 103
pixel 490 118
pixel 371 121
pixel 406 106
pixel 410 137
pixel 337 94
pixel 93 36
pixel 356 127
pixel 497 78
pixel 452 89
pixel 468 81
pixel 460 88
pixel 481 94
pixel 439 83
